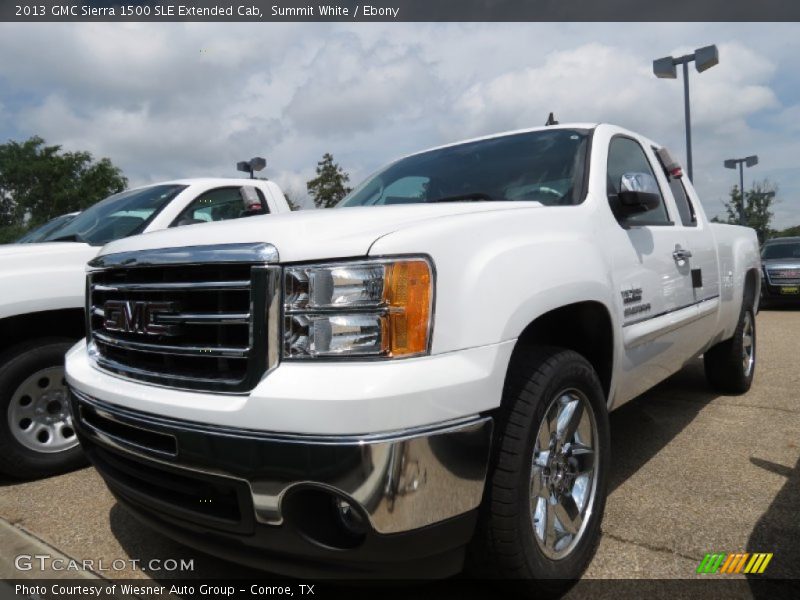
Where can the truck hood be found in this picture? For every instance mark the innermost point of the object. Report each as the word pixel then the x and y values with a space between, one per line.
pixel 48 255
pixel 314 234
pixel 40 277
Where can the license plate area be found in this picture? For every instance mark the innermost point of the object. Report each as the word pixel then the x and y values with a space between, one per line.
pixel 790 290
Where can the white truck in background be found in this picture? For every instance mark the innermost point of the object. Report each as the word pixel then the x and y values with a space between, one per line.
pixel 426 368
pixel 41 307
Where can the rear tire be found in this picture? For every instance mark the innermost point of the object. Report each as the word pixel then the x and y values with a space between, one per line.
pixel 36 434
pixel 549 464
pixel 731 365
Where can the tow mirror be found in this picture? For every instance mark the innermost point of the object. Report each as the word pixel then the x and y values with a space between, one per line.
pixel 638 193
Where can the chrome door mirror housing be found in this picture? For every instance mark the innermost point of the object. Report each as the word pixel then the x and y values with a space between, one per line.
pixel 638 193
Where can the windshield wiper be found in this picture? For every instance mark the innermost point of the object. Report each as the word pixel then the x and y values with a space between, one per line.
pixel 72 237
pixel 474 196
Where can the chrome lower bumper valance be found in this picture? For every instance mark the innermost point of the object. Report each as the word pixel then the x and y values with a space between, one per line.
pixel 401 480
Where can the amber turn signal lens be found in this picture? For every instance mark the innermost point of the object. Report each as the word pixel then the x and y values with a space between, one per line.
pixel 408 292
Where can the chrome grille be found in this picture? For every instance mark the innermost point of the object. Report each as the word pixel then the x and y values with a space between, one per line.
pixel 784 276
pixel 200 319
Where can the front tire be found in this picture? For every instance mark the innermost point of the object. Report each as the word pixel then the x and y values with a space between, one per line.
pixel 547 486
pixel 36 433
pixel 731 365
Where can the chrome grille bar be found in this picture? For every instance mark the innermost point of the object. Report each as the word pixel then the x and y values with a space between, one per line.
pixel 173 286
pixel 183 350
pixel 194 318
pixel 136 373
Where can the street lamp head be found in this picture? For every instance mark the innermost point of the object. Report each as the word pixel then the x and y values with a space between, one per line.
pixel 751 161
pixel 664 68
pixel 250 166
pixel 730 163
pixel 705 58
pixel 257 163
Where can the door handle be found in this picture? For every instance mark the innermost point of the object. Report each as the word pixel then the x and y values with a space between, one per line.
pixel 680 254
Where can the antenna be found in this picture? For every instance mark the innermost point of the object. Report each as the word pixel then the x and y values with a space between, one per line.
pixel 551 120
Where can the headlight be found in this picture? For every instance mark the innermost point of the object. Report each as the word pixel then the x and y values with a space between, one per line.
pixel 379 308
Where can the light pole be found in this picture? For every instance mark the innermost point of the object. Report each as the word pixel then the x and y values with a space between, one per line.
pixel 732 163
pixel 665 68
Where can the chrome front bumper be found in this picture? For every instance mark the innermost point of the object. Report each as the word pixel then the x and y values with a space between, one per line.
pixel 399 481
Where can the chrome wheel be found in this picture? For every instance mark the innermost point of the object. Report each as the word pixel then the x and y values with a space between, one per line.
pixel 748 344
pixel 563 473
pixel 38 415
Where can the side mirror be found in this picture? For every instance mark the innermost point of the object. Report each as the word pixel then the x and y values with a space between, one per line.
pixel 638 193
pixel 251 201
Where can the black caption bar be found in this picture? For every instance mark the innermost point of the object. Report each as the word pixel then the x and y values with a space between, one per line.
pixel 453 589
pixel 401 10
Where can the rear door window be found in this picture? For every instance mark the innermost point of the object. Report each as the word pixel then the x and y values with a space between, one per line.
pixel 682 201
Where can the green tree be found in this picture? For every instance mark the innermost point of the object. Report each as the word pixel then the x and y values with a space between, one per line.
pixel 788 232
pixel 330 184
pixel 757 204
pixel 39 182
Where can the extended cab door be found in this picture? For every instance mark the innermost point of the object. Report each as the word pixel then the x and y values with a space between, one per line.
pixel 696 236
pixel 701 253
pixel 650 273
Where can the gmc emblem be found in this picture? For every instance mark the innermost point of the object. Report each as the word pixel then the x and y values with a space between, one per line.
pixel 130 316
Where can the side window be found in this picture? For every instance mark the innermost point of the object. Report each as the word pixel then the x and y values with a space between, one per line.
pixel 627 156
pixel 685 208
pixel 222 204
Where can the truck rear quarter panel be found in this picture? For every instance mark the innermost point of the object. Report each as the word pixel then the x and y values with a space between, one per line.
pixel 738 254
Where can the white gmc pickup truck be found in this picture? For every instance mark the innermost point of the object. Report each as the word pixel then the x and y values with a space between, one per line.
pixel 420 375
pixel 41 307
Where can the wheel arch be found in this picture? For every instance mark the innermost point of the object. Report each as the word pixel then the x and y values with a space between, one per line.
pixel 752 285
pixel 585 327
pixel 67 322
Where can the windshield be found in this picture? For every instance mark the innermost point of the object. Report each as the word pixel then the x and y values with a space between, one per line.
pixel 544 166
pixel 784 250
pixel 117 216
pixel 41 232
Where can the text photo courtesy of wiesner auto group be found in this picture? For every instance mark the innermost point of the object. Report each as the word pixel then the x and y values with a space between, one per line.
pixel 412 299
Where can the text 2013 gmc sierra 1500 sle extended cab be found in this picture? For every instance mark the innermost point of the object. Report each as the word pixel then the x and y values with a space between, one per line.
pixel 424 370
pixel 41 307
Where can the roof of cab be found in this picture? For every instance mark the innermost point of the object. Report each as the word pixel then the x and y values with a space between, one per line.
pixel 207 181
pixel 781 240
pixel 511 132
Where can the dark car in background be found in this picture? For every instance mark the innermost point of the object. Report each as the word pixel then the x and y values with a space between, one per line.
pixel 780 258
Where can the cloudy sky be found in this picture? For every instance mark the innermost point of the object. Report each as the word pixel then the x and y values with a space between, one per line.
pixel 190 99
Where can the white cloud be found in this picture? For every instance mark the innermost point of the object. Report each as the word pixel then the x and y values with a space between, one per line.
pixel 167 100
pixel 353 87
pixel 601 83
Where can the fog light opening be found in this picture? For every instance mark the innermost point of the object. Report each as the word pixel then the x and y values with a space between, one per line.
pixel 325 517
pixel 350 518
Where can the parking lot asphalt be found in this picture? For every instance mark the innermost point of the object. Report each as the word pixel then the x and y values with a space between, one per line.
pixel 694 472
